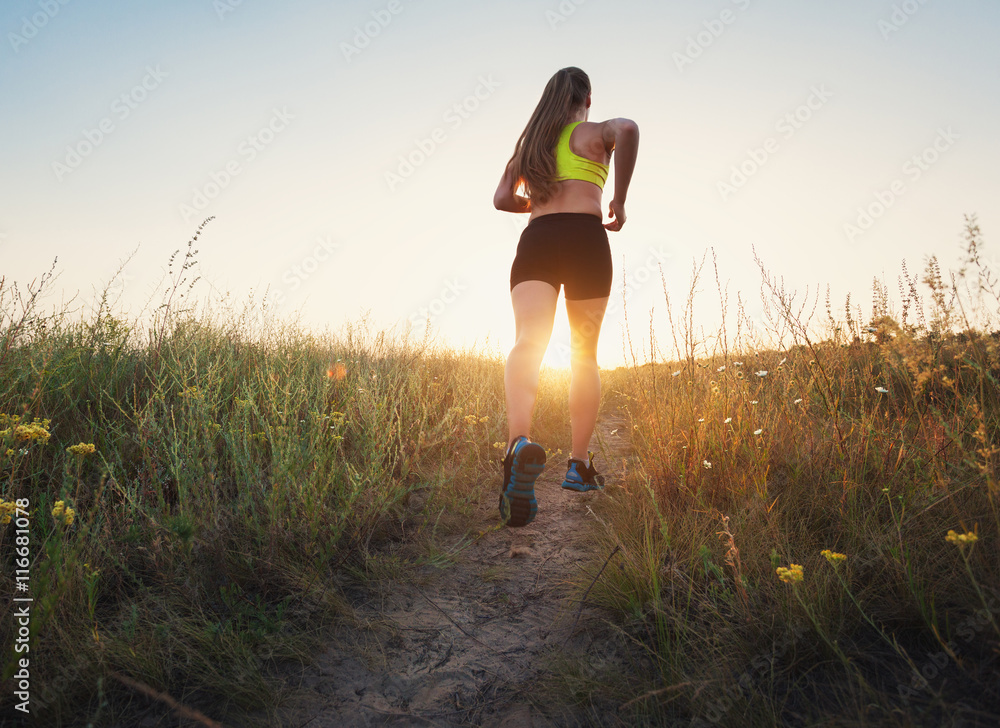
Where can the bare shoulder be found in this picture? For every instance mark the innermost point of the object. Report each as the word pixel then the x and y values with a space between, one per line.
pixel 613 129
pixel 588 137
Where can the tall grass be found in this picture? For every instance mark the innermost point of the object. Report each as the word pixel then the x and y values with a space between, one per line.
pixel 874 438
pixel 243 470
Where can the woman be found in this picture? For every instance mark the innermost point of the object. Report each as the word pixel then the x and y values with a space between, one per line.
pixel 562 161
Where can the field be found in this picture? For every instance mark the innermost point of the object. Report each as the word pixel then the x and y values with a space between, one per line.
pixel 800 526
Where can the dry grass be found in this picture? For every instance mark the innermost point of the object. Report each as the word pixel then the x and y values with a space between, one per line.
pixel 875 439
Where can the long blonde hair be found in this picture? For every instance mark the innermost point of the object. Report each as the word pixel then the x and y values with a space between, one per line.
pixel 533 162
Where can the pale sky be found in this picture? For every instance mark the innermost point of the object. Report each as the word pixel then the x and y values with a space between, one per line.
pixel 764 124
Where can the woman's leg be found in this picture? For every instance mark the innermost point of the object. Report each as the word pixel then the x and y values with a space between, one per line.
pixel 534 310
pixel 585 318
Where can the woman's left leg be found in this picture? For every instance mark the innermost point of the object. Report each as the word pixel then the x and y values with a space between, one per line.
pixel 585 318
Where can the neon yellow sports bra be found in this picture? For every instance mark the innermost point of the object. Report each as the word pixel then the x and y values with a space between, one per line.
pixel 570 165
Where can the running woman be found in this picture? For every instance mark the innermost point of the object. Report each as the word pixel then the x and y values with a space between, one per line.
pixel 561 159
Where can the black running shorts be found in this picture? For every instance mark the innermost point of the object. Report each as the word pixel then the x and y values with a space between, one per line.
pixel 565 248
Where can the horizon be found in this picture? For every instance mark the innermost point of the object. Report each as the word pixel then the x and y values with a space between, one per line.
pixel 349 154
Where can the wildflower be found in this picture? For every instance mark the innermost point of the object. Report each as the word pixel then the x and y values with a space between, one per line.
pixel 791 575
pixel 721 369
pixel 960 539
pixel 737 363
pixel 33 431
pixel 701 419
pixel 871 330
pixel 470 419
pixel 7 508
pixel 881 390
pixel 797 401
pixel 483 419
pixel 676 374
pixel 63 513
pixel 739 375
pixel 708 465
pixel 753 401
pixel 81 449
pixel 499 445
pixel 727 420
pixel 832 556
pixel 762 373
pixel 758 431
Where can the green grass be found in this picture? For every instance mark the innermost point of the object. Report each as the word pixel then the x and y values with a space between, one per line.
pixel 244 470
pixel 812 456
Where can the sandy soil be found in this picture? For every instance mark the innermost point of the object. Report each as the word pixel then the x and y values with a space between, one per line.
pixel 467 644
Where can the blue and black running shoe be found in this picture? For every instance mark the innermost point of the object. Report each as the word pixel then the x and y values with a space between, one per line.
pixel 524 462
pixel 582 477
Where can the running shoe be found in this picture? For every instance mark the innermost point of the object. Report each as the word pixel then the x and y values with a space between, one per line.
pixel 524 462
pixel 581 476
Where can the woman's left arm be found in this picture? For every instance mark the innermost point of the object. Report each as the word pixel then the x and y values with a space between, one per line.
pixel 504 198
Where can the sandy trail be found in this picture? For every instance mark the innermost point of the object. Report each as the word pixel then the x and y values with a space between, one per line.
pixel 465 645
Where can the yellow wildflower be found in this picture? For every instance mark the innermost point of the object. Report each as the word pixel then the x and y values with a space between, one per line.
pixel 832 556
pixel 33 431
pixel 63 512
pixel 81 449
pixel 960 539
pixel 791 575
pixel 7 508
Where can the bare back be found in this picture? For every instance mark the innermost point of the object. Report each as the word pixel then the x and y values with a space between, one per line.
pixel 573 195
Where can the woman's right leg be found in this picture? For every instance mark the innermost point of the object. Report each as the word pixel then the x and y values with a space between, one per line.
pixel 534 305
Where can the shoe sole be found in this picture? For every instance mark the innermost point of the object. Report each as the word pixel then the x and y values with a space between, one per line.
pixel 529 462
pixel 580 487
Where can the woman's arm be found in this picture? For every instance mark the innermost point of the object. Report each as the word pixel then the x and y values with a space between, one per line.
pixel 504 198
pixel 622 137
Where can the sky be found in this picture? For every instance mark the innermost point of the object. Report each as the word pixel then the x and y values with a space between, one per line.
pixel 348 152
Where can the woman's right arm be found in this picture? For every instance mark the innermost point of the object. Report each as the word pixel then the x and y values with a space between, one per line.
pixel 621 136
pixel 504 198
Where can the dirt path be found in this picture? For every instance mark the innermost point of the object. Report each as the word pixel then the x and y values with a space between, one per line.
pixel 464 645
